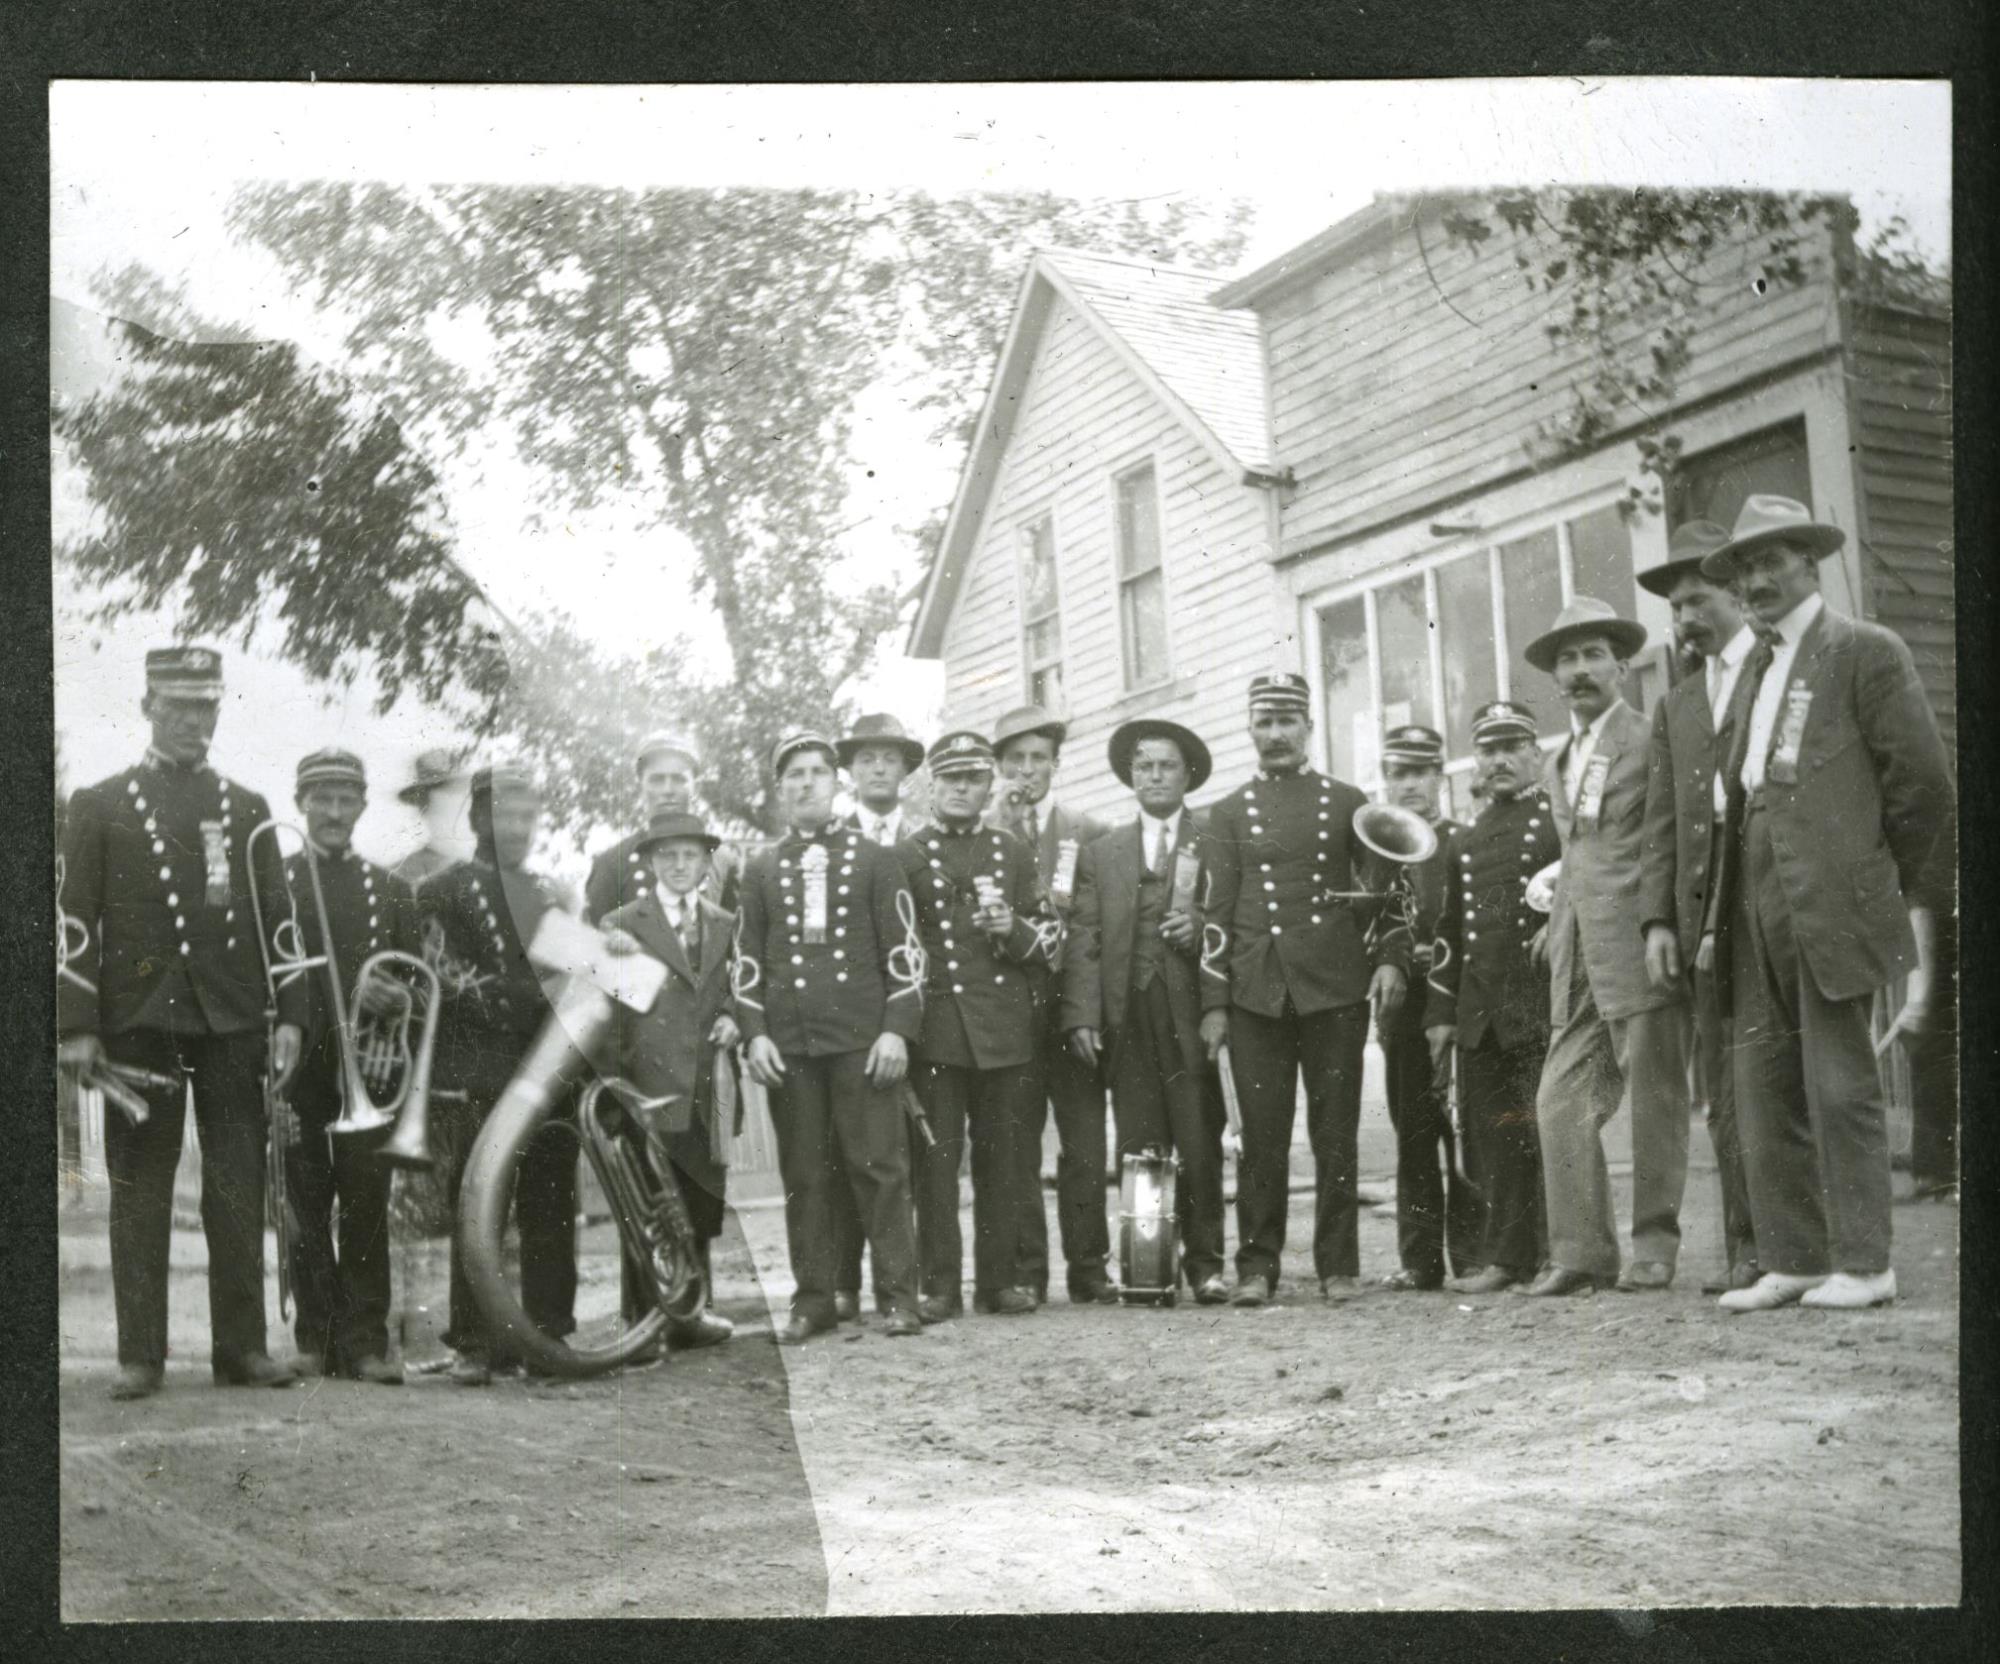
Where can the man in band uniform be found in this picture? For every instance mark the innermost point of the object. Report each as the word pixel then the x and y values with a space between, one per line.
pixel 1437 1208
pixel 341 1323
pixel 830 995
pixel 1291 964
pixel 1614 1034
pixel 1027 745
pixel 878 757
pixel 161 970
pixel 984 936
pixel 479 917
pixel 1686 804
pixel 1131 989
pixel 1840 856
pixel 1489 1000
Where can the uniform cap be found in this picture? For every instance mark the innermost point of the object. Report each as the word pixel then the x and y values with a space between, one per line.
pixel 665 740
pixel 1413 743
pixel 330 764
pixel 1280 690
pixel 189 672
pixel 881 729
pixel 1585 616
pixel 1765 519
pixel 805 739
pixel 962 752
pixel 505 776
pixel 1503 719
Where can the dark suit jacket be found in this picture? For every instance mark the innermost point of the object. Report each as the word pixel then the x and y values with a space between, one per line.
pixel 1597 904
pixel 1097 970
pixel 1868 829
pixel 665 1052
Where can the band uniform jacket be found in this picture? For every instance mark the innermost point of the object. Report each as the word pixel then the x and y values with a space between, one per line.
pixel 370 911
pixel 825 998
pixel 1277 849
pixel 1867 829
pixel 1598 891
pixel 1675 883
pixel 422 864
pixel 478 922
pixel 622 875
pixel 664 1052
pixel 1098 959
pixel 156 929
pixel 1481 978
pixel 979 994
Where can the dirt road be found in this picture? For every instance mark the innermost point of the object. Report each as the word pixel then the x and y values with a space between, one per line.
pixel 1403 1450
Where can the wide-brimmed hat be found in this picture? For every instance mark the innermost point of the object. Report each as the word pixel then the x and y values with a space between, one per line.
pixel 1029 719
pixel 329 765
pixel 1125 740
pixel 1767 519
pixel 670 824
pixel 960 752
pixel 184 672
pixel 431 770
pixel 881 729
pixel 1585 616
pixel 1686 550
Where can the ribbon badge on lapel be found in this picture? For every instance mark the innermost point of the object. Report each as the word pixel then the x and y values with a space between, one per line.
pixel 1590 795
pixel 215 853
pixel 1784 764
pixel 1063 884
pixel 812 869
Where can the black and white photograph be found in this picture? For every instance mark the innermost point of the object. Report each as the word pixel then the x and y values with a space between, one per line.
pixel 993 848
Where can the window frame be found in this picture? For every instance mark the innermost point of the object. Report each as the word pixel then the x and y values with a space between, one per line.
pixel 1120 580
pixel 1024 528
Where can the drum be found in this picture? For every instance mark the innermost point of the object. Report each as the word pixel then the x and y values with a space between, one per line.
pixel 1149 1231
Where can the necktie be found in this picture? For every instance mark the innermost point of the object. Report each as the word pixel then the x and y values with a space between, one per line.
pixel 1734 739
pixel 1159 862
pixel 1031 825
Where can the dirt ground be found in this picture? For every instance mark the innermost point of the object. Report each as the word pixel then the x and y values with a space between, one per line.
pixel 1398 1451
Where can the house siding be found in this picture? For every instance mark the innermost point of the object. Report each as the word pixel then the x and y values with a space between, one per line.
pixel 1084 417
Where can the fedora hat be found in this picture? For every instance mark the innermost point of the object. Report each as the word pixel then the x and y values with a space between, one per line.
pixel 1125 740
pixel 1028 719
pixel 670 824
pixel 1585 616
pixel 431 770
pixel 1767 519
pixel 881 729
pixel 1686 550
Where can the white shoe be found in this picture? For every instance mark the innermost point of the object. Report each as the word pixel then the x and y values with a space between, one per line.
pixel 1844 1291
pixel 1769 1292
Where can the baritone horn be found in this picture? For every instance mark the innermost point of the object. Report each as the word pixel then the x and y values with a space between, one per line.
pixel 385 1054
pixel 1398 835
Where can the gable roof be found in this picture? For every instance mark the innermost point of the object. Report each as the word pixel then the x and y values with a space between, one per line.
pixel 1204 363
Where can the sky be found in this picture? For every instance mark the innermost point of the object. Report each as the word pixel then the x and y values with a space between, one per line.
pixel 142 171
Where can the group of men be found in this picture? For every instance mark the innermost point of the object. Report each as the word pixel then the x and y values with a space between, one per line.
pixel 1697 907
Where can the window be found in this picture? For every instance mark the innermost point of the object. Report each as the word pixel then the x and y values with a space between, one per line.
pixel 1041 617
pixel 1713 484
pixel 1465 631
pixel 1532 590
pixel 1350 691
pixel 1142 596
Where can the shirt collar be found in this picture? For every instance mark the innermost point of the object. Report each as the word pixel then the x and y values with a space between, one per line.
pixel 1172 823
pixel 1596 725
pixel 1793 626
pixel 1737 648
pixel 166 765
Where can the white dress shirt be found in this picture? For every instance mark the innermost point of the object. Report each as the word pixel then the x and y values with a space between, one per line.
pixel 1582 747
pixel 1151 831
pixel 881 829
pixel 684 914
pixel 1771 691
pixel 1721 674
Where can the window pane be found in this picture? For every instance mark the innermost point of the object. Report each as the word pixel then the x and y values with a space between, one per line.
pixel 1600 548
pixel 1465 639
pixel 1531 586
pixel 1142 605
pixel 1463 802
pixel 1404 627
pixel 1343 634
pixel 1038 570
pixel 1045 687
pixel 1138 523
pixel 1044 640
pixel 1713 484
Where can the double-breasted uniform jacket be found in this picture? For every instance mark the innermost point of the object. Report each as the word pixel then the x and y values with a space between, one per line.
pixel 1676 885
pixel 623 874
pixel 1103 936
pixel 821 999
pixel 1481 977
pixel 153 898
pixel 1597 897
pixel 664 1051
pixel 1867 830
pixel 1278 848
pixel 979 999
pixel 478 922
pixel 369 911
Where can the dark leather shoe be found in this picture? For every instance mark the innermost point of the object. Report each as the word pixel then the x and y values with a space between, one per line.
pixel 846 1307
pixel 378 1372
pixel 1335 1290
pixel 1557 1281
pixel 469 1369
pixel 138 1381
pixel 309 1365
pixel 255 1370
pixel 1004 1302
pixel 1645 1277
pixel 706 1330
pixel 1742 1275
pixel 1489 1281
pixel 940 1308
pixel 1093 1291
pixel 1211 1290
pixel 1253 1290
pixel 1405 1281
pixel 797 1329
pixel 903 1323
